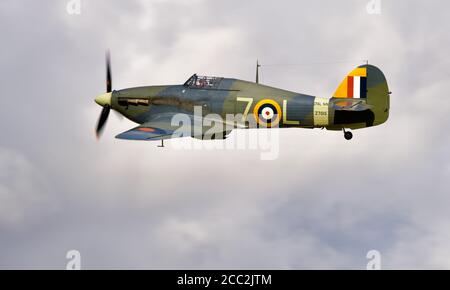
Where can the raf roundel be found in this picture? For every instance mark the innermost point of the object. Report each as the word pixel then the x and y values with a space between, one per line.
pixel 267 113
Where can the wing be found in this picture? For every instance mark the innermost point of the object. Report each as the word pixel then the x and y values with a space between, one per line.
pixel 176 125
pixel 145 132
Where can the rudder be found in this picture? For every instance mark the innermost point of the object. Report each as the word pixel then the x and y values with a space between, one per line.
pixel 368 83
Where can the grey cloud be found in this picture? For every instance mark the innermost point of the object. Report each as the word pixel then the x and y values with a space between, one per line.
pixel 323 204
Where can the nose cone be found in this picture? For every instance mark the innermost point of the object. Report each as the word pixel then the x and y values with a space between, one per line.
pixel 104 99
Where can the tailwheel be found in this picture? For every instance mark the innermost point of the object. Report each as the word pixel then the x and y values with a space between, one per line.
pixel 348 135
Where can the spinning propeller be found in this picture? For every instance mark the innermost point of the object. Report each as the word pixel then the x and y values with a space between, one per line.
pixel 104 100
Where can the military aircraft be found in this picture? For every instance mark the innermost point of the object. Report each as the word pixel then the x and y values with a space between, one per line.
pixel 205 104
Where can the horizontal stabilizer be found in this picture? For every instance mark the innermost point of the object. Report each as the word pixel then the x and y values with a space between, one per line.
pixel 353 105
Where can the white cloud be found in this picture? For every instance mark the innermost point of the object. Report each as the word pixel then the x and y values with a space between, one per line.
pixel 24 196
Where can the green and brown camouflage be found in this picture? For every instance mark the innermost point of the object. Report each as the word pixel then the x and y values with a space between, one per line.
pixel 361 101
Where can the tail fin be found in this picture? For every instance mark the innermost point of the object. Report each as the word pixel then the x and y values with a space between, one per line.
pixel 368 83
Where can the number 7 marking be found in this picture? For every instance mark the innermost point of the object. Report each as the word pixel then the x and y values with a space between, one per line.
pixel 249 102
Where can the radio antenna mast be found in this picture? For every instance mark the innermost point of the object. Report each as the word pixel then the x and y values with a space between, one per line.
pixel 257 71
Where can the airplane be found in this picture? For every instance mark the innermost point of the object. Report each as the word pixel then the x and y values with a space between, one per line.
pixel 362 100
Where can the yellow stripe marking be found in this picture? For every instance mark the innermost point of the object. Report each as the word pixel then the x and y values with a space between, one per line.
pixel 359 72
pixel 320 112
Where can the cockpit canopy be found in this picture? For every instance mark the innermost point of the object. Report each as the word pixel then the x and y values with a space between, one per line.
pixel 203 82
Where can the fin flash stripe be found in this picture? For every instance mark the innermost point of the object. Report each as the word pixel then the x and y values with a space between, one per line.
pixel 354 85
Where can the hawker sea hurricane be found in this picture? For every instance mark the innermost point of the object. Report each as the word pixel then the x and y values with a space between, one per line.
pixel 206 104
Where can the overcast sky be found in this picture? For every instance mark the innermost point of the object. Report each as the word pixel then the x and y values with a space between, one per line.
pixel 324 203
